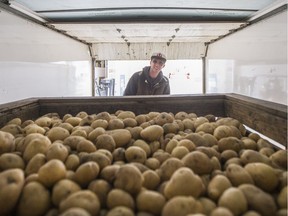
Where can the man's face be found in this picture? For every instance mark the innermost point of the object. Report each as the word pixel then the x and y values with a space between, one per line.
pixel 157 64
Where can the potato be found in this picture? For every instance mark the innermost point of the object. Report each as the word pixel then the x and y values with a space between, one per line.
pixel 106 153
pixel 250 156
pixel 11 184
pixel 210 140
pixel 187 144
pixel 259 200
pixel 120 211
pixel 206 127
pixel 99 123
pixel 86 172
pixel 43 121
pixel 263 175
pixel 35 163
pixel 108 173
pixel 188 124
pixel 266 151
pixel 57 133
pixel 152 133
pixel 144 145
pixel 34 200
pixel 119 154
pixel 152 163
pixel 120 136
pixel 181 115
pixel 249 143
pixel 62 189
pixel 230 143
pixel 223 131
pixel 13 129
pixel 179 152
pixel 87 120
pixel 105 141
pixel 150 201
pixel 74 121
pixel 72 141
pixel 181 206
pixel 177 185
pixel 199 121
pixel 6 142
pixel 217 186
pixel 101 159
pixel 101 188
pixel 79 132
pixel 16 121
pixel 238 175
pixel 234 200
pixel 83 199
pixel 51 172
pixel 103 115
pixel 57 151
pixel 221 211
pixel 11 161
pixel 168 167
pixel 66 125
pixel 208 205
pixel 86 146
pixel 39 144
pixel 75 211
pixel 172 127
pixel 155 145
pixel 172 143
pixel 118 197
pixel 199 162
pixel 197 139
pixel 161 156
pixel 163 118
pixel 72 162
pixel 129 179
pixel 280 158
pixel 151 179
pixel 135 154
pixel 33 128
pixel 228 154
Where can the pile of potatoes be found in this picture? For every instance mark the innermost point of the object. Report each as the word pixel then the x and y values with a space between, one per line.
pixel 125 164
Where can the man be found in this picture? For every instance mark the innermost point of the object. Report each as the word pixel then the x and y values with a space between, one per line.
pixel 149 81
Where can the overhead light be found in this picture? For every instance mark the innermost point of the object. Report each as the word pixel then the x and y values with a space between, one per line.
pixel 26 11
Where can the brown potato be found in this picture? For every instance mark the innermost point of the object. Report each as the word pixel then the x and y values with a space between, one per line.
pixel 177 185
pixel 259 200
pixel 120 136
pixel 151 179
pixel 150 201
pixel 35 163
pixel 234 200
pixel 86 146
pixel 168 167
pixel 57 133
pixel 6 142
pixel 57 151
pixel 51 172
pixel 101 188
pixel 120 211
pixel 108 173
pixel 74 211
pixel 105 141
pixel 11 161
pixel 117 197
pixel 230 143
pixel 199 162
pixel 62 189
pixel 129 179
pixel 72 162
pixel 238 175
pixel 152 133
pixel 74 121
pixel 34 200
pixel 217 186
pixel 181 206
pixel 86 172
pixel 101 159
pixel 85 199
pixel 33 128
pixel 11 184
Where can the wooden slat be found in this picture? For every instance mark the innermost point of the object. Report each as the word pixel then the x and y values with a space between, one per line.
pixel 24 109
pixel 265 117
pixel 199 104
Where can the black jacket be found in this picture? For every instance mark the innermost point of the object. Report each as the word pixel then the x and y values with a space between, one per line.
pixel 142 84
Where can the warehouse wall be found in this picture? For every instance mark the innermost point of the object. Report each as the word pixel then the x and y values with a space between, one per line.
pixel 37 62
pixel 252 62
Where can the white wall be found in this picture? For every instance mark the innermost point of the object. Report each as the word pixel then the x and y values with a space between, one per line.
pixel 251 62
pixel 38 62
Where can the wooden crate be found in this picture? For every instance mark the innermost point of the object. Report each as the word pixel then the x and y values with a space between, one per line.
pixel 265 117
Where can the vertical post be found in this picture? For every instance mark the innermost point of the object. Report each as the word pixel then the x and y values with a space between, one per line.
pixel 203 75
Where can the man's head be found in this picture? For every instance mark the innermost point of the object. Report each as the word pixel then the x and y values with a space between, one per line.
pixel 160 56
